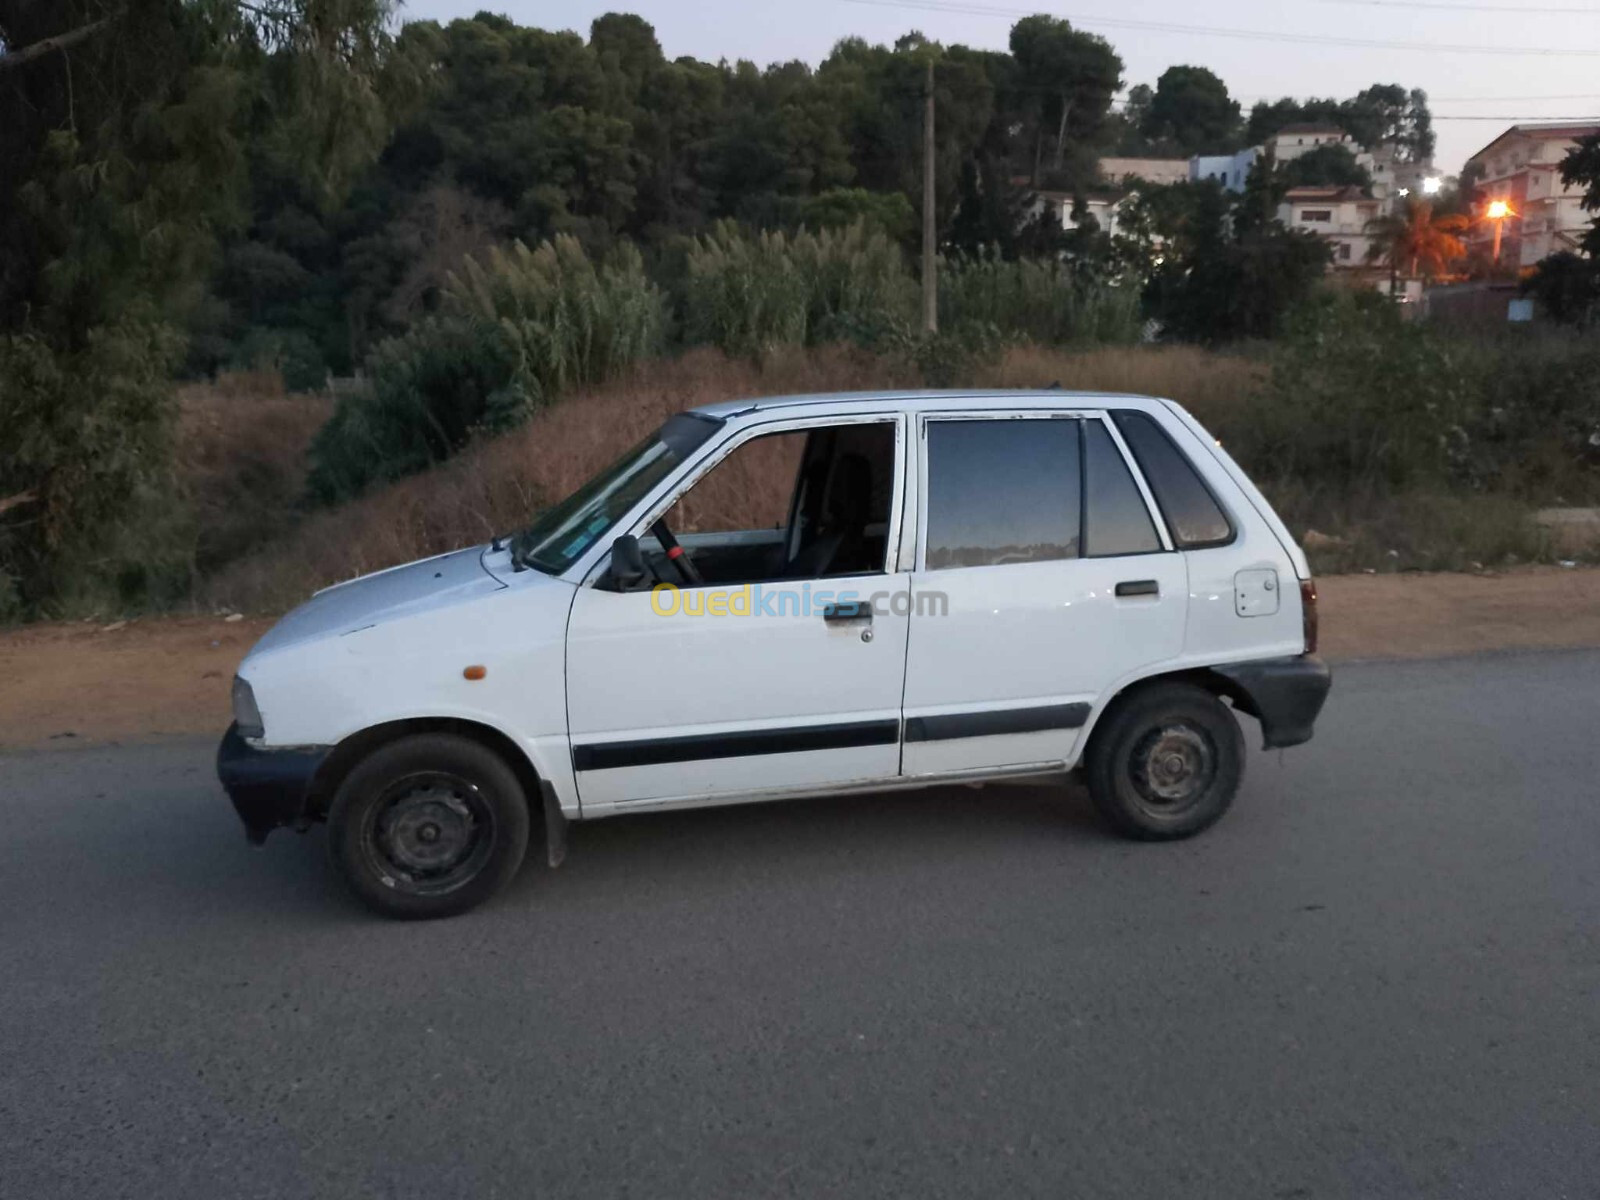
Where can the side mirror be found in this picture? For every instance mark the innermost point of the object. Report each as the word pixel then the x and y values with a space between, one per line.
pixel 628 571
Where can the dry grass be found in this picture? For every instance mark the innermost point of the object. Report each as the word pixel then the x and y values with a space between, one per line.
pixel 1217 388
pixel 242 458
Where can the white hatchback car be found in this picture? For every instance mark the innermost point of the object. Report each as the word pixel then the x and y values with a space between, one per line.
pixel 792 597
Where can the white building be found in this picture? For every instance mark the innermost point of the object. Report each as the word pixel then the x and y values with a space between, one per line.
pixel 1290 142
pixel 1230 170
pixel 1522 169
pixel 1339 215
pixel 1104 207
pixel 1150 170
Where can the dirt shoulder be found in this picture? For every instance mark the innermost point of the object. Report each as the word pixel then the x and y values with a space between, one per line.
pixel 83 683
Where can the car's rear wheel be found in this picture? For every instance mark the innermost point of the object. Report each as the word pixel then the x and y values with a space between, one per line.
pixel 428 826
pixel 1165 762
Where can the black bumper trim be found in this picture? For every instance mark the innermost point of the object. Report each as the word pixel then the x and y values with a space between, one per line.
pixel 1284 694
pixel 268 788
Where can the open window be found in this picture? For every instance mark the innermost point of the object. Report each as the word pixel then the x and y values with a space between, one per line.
pixel 798 504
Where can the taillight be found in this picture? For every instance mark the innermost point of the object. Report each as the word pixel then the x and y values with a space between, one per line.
pixel 1308 613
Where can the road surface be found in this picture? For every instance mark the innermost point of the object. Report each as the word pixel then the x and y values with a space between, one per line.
pixel 1379 976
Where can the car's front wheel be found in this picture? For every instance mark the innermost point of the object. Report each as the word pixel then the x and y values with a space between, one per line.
pixel 428 826
pixel 1165 762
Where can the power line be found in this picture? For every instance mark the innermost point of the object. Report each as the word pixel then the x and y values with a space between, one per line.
pixel 1468 8
pixel 1122 98
pixel 1312 39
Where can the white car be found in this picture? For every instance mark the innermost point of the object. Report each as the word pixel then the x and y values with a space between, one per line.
pixel 792 597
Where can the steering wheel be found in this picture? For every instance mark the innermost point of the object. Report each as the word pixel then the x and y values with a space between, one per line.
pixel 676 554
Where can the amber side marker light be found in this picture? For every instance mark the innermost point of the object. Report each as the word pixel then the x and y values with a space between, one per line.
pixel 1308 613
pixel 474 672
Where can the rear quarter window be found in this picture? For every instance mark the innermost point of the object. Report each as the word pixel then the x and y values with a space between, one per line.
pixel 1192 513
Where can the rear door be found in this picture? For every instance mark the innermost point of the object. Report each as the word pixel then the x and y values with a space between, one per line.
pixel 1043 577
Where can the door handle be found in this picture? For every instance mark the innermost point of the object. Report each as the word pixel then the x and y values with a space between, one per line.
pixel 847 610
pixel 1138 587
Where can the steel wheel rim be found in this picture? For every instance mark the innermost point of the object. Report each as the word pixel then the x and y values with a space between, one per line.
pixel 1172 767
pixel 429 833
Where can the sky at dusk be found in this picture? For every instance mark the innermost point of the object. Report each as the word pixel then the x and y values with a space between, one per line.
pixel 1438 33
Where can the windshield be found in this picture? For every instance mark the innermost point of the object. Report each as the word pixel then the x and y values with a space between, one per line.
pixel 563 533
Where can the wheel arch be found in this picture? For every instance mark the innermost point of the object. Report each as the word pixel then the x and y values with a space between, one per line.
pixel 1208 679
pixel 344 756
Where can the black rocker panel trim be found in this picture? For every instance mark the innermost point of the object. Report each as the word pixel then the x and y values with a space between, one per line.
pixel 605 756
pixel 989 724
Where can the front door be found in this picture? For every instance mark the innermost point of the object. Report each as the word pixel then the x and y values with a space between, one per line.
pixel 756 680
pixel 1043 578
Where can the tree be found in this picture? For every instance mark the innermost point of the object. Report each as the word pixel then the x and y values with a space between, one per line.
pixel 1582 167
pixel 1192 110
pixel 1222 278
pixel 1326 166
pixel 1388 115
pixel 1417 239
pixel 1073 75
pixel 1267 118
pixel 127 131
pixel 1567 287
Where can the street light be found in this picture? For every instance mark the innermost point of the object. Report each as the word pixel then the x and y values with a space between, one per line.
pixel 1432 185
pixel 1497 212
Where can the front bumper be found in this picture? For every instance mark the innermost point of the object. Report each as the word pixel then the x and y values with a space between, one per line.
pixel 1284 694
pixel 268 788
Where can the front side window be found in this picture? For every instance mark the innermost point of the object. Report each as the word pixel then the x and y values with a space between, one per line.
pixel 809 503
pixel 1193 515
pixel 563 533
pixel 1002 491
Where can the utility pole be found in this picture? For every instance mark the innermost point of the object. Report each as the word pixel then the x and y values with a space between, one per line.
pixel 930 227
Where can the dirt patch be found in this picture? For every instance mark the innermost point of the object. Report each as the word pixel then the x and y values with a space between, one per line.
pixel 63 685
pixel 1431 616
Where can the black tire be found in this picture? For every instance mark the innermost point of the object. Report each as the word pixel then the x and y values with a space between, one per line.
pixel 1165 762
pixel 428 826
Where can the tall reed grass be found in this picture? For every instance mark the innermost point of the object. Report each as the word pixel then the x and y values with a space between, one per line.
pixel 750 293
pixel 515 330
pixel 1036 300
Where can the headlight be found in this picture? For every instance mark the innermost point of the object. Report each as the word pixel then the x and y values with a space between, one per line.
pixel 245 713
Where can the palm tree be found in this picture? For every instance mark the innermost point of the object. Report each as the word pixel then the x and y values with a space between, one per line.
pixel 1418 238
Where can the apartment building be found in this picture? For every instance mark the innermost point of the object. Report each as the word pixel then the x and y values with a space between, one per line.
pixel 1522 169
pixel 1339 215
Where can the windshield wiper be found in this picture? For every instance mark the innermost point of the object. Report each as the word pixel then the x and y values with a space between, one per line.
pixel 519 551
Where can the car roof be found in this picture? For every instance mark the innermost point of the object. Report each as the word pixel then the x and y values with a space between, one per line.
pixel 928 400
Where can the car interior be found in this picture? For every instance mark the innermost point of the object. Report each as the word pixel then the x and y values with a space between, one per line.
pixel 835 521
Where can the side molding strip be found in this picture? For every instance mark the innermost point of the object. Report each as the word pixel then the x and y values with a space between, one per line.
pixel 989 724
pixel 605 756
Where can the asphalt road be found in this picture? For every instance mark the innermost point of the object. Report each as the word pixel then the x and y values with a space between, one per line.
pixel 1379 976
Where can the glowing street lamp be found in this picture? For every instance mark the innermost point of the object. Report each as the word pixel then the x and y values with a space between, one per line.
pixel 1432 185
pixel 1497 212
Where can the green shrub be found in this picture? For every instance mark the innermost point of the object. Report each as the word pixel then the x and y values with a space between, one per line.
pixel 513 333
pixel 1038 300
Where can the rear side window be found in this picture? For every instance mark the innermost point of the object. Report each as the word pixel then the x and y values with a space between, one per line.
pixel 1115 519
pixel 1002 491
pixel 1192 512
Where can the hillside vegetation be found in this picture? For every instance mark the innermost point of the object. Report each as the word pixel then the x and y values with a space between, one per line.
pixel 1401 458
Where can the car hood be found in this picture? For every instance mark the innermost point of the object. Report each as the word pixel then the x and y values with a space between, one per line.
pixel 430 583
